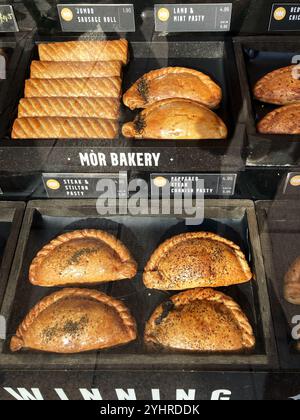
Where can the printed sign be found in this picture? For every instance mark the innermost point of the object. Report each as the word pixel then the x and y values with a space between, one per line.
pixel 292 184
pixel 193 17
pixel 8 21
pixel 97 17
pixel 188 184
pixel 81 185
pixel 285 17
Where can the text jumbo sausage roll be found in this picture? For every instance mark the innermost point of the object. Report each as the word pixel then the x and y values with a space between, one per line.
pixel 85 51
pixel 92 87
pixel 64 128
pixel 70 107
pixel 62 70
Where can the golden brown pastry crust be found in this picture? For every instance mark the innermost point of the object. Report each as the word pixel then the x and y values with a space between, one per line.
pixel 73 70
pixel 201 320
pixel 85 338
pixel 284 120
pixel 280 87
pixel 173 82
pixel 64 128
pixel 85 51
pixel 103 87
pixel 82 257
pixel 106 108
pixel 176 119
pixel 292 283
pixel 198 259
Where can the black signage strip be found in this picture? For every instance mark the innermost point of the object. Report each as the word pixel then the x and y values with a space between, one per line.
pixel 8 22
pixel 193 17
pixel 285 17
pixel 187 184
pixel 96 17
pixel 59 185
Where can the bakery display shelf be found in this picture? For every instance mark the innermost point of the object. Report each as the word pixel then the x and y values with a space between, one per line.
pixel 11 216
pixel 44 220
pixel 279 226
pixel 256 56
pixel 214 56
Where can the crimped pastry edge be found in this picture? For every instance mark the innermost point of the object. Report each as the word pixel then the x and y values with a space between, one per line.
pixel 268 119
pixel 169 70
pixel 165 247
pixel 211 295
pixel 17 341
pixel 101 235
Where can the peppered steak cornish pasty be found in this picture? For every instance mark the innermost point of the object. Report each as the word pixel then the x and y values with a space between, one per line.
pixel 197 259
pixel 75 321
pixel 202 320
pixel 82 257
pixel 173 82
pixel 280 87
pixel 176 119
pixel 284 120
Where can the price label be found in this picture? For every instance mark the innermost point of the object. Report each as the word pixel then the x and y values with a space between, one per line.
pixel 193 17
pixel 8 22
pixel 96 17
pixel 285 17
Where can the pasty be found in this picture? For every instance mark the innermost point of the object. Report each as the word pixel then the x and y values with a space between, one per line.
pixel 280 87
pixel 197 259
pixel 82 257
pixel 176 119
pixel 173 82
pixel 285 120
pixel 75 321
pixel 85 51
pixel 292 284
pixel 202 320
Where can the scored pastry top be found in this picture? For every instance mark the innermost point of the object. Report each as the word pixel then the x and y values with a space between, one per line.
pixel 74 321
pixel 280 87
pixel 173 82
pixel 201 320
pixel 82 257
pixel 199 259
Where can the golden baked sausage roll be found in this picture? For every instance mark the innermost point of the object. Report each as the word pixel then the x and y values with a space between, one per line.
pixel 280 87
pixel 198 259
pixel 292 283
pixel 201 320
pixel 173 82
pixel 92 87
pixel 73 70
pixel 64 128
pixel 176 119
pixel 75 321
pixel 85 51
pixel 82 257
pixel 284 120
pixel 106 108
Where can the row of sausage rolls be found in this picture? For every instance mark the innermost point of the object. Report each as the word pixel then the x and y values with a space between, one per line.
pixel 74 91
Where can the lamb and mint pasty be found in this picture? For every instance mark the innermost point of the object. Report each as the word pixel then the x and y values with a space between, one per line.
pixel 75 321
pixel 198 259
pixel 173 82
pixel 200 320
pixel 176 119
pixel 82 257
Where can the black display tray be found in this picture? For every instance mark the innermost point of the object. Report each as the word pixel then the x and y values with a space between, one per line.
pixel 214 56
pixel 44 220
pixel 11 216
pixel 279 226
pixel 257 56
